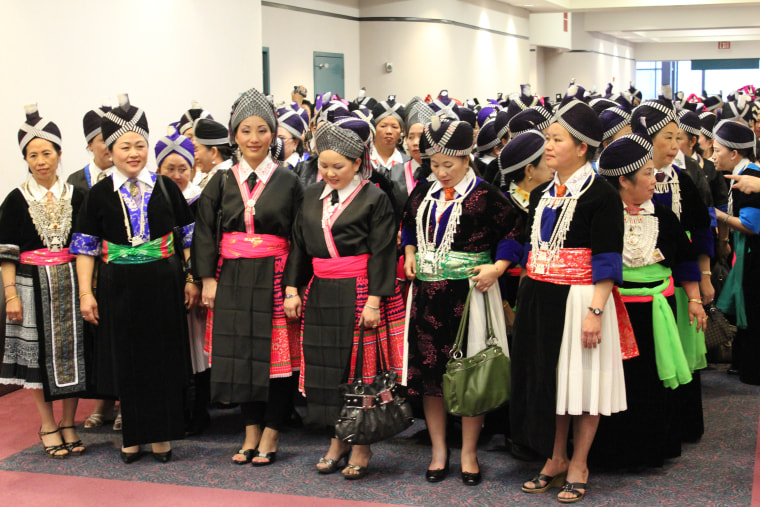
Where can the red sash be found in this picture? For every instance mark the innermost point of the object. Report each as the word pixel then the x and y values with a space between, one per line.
pixel 251 246
pixel 567 266
pixel 341 267
pixel 572 266
pixel 44 257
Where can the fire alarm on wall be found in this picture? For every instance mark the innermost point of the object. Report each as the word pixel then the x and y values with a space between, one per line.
pixel 388 67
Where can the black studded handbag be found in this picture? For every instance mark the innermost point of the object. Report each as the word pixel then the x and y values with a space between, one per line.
pixel 376 411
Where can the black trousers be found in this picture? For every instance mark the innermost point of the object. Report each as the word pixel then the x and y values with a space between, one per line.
pixel 272 413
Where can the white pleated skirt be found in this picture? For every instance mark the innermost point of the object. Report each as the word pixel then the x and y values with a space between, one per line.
pixel 589 380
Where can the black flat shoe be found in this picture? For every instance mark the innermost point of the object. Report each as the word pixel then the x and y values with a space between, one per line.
pixel 163 457
pixel 439 474
pixel 271 457
pixel 130 457
pixel 470 479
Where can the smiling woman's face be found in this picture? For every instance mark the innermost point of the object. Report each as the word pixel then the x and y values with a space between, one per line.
pixel 130 154
pixel 337 170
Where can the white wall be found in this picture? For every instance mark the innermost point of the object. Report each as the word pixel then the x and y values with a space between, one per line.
pixel 697 51
pixel 547 29
pixel 292 36
pixel 594 60
pixel 428 57
pixel 66 56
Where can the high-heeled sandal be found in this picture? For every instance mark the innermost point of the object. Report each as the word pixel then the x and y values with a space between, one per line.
pixel 117 424
pixel 358 471
pixel 70 446
pixel 332 464
pixel 52 450
pixel 248 454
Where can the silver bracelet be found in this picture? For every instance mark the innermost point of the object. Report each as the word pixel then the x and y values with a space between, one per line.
pixel 288 296
pixel 374 309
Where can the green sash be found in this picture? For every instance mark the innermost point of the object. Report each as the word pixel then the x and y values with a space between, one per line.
pixel 159 248
pixel 731 300
pixel 456 266
pixel 672 366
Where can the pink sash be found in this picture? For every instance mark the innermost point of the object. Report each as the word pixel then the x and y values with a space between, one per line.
pixel 341 267
pixel 250 197
pixel 251 246
pixel 44 257
pixel 409 177
pixel 328 221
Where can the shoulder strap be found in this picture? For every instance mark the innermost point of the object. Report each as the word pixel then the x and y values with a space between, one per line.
pixel 160 184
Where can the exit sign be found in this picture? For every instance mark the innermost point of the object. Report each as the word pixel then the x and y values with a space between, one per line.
pixel 724 45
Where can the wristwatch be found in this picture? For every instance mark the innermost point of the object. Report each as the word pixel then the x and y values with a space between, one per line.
pixel 595 311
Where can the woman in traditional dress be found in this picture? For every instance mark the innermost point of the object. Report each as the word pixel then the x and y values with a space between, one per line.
pixel 291 129
pixel 212 150
pixel 388 116
pixel 523 167
pixel 175 156
pixel 688 142
pixel 656 253
pixel 454 236
pixel 344 247
pixel 404 176
pixel 44 342
pixel 129 220
pixel 244 220
pixel 100 166
pixel 676 190
pixel 735 154
pixel 566 350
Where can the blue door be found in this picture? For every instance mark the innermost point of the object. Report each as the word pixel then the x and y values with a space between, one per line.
pixel 328 73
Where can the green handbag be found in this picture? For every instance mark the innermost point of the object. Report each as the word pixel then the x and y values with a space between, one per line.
pixel 478 384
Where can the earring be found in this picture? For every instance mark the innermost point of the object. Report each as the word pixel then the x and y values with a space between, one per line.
pixel 530 178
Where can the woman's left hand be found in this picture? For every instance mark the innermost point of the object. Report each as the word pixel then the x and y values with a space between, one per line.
pixel 370 317
pixel 192 295
pixel 592 330
pixel 697 314
pixel 486 275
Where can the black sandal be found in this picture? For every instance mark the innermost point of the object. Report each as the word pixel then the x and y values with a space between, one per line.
pixel 551 481
pixel 572 487
pixel 332 464
pixel 52 450
pixel 247 453
pixel 70 446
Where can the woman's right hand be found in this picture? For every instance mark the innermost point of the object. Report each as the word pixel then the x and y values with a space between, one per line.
pixel 292 307
pixel 88 305
pixel 208 296
pixel 410 266
pixel 14 311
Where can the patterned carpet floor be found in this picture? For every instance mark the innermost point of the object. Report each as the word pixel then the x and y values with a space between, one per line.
pixel 716 471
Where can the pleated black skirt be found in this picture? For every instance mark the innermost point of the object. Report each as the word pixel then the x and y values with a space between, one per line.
pixel 242 336
pixel 328 331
